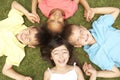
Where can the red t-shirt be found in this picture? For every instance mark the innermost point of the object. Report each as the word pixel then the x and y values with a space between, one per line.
pixel 68 6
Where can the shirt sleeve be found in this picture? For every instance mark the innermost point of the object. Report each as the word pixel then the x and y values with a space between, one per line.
pixel 103 22
pixel 14 52
pixel 15 59
pixel 14 19
pixel 102 25
pixel 103 60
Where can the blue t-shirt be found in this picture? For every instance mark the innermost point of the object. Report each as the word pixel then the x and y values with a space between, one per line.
pixel 106 51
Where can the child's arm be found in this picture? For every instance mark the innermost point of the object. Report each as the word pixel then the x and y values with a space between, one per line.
pixel 34 8
pixel 20 8
pixel 115 72
pixel 105 74
pixel 8 71
pixel 90 71
pixel 79 73
pixel 46 75
pixel 87 12
pixel 107 10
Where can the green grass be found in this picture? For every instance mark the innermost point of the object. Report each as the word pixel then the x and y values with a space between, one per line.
pixel 33 65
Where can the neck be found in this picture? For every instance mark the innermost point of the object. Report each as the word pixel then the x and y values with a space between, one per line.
pixel 61 68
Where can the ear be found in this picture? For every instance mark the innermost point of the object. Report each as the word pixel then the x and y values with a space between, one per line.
pixel 31 46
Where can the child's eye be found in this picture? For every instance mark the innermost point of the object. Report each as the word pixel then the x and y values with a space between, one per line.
pixel 80 31
pixel 55 53
pixel 65 52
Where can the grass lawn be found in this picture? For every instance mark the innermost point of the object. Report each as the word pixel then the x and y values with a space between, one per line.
pixel 33 65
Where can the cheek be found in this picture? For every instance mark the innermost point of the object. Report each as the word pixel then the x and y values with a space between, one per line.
pixel 67 56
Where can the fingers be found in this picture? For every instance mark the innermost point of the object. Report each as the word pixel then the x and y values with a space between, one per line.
pixel 37 18
pixel 85 68
pixel 33 18
pixel 88 14
pixel 28 78
pixel 88 69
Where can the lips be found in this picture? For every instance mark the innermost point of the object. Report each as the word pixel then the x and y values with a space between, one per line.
pixel 61 61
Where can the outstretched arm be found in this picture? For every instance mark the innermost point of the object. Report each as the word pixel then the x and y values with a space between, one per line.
pixel 34 8
pixel 107 10
pixel 109 74
pixel 20 8
pixel 105 73
pixel 79 73
pixel 8 71
pixel 87 10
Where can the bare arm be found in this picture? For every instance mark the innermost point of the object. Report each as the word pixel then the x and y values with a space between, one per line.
pixel 87 10
pixel 31 17
pixel 109 74
pixel 34 8
pixel 46 75
pixel 107 10
pixel 88 69
pixel 8 71
pixel 85 4
pixel 79 73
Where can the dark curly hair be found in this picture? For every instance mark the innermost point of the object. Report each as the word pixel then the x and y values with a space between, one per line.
pixel 54 43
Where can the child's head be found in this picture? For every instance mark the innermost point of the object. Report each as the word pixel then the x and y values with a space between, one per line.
pixel 56 21
pixel 58 51
pixel 77 36
pixel 30 36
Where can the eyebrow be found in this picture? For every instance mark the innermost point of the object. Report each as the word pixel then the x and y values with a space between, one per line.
pixel 59 50
pixel 57 21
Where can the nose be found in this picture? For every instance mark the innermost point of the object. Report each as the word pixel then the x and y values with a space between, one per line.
pixel 61 55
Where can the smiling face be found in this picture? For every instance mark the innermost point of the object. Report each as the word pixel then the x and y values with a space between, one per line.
pixel 80 36
pixel 28 36
pixel 56 21
pixel 60 56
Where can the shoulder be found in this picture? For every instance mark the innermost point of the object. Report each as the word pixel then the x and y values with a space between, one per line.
pixel 105 19
pixel 77 69
pixel 46 75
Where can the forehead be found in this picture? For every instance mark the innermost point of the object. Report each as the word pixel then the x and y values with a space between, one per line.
pixel 60 48
pixel 74 33
pixel 32 33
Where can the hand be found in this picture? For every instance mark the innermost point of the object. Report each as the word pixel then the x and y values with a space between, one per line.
pixel 37 18
pixel 88 14
pixel 27 78
pixel 89 70
pixel 32 17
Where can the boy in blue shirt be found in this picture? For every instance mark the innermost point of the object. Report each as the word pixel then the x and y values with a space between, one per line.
pixel 99 42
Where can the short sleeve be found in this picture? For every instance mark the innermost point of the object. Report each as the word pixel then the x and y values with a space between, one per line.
pixel 102 25
pixel 15 53
pixel 104 21
pixel 14 19
pixel 103 61
pixel 15 59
